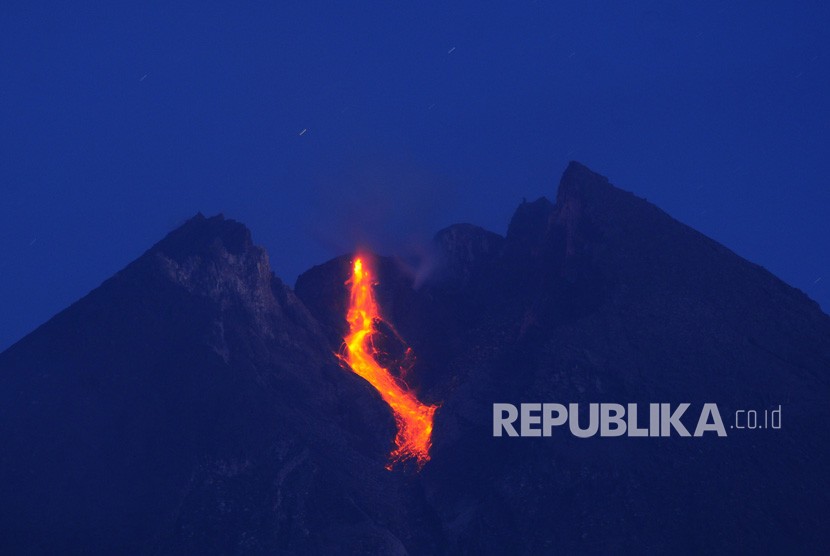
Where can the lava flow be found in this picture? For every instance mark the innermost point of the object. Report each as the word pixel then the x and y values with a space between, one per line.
pixel 414 419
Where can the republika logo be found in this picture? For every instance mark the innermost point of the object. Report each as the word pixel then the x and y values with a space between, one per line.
pixel 613 419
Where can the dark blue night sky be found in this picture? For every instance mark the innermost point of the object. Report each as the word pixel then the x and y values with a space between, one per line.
pixel 121 120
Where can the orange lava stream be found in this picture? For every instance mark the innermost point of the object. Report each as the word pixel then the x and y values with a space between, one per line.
pixel 414 419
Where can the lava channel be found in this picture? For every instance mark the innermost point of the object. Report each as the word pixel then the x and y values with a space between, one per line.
pixel 413 418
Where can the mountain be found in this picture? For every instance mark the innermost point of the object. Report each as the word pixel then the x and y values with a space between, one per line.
pixel 193 403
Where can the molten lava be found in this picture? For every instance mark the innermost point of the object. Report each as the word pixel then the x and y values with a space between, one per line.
pixel 414 419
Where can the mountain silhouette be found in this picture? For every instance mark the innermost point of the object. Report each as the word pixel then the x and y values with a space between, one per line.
pixel 193 403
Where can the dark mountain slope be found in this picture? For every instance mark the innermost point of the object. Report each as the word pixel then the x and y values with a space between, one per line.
pixel 602 297
pixel 191 404
pixel 606 298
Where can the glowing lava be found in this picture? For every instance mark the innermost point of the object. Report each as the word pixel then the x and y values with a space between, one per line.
pixel 413 418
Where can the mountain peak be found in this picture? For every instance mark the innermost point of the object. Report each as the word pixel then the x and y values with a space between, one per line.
pixel 580 182
pixel 202 235
pixel 578 173
pixel 214 257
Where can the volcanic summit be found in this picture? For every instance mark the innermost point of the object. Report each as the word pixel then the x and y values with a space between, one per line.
pixel 194 403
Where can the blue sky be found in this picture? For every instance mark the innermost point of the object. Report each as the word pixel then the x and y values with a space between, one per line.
pixel 118 121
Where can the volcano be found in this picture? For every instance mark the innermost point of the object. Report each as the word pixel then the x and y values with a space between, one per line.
pixel 194 403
